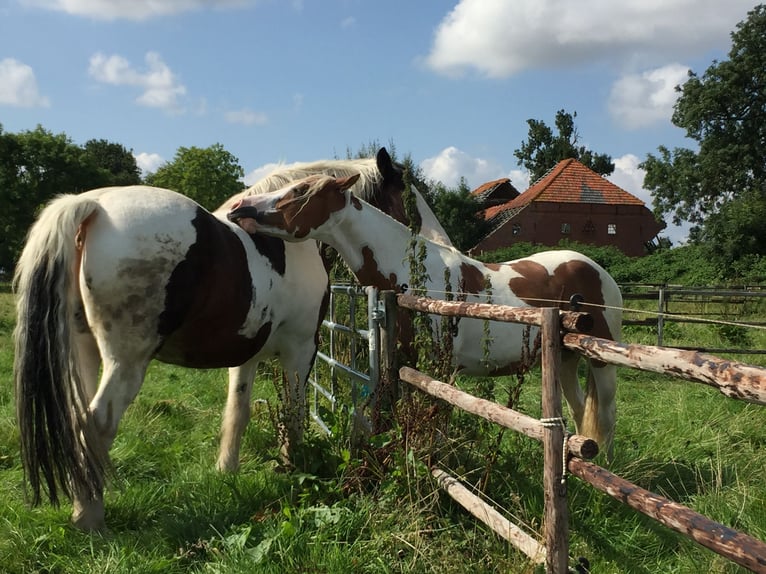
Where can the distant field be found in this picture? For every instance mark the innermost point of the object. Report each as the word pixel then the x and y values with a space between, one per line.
pixel 169 511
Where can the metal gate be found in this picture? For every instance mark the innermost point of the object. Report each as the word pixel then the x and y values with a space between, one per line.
pixel 347 367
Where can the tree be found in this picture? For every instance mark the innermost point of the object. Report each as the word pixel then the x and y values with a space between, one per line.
pixel 207 175
pixel 35 166
pixel 721 187
pixel 456 209
pixel 117 165
pixel 543 149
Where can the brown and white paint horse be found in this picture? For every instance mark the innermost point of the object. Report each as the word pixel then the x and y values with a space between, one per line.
pixel 113 278
pixel 374 247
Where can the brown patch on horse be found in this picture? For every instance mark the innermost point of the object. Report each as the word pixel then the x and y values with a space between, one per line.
pixel 315 204
pixel 538 288
pixel 472 280
pixel 207 300
pixel 370 274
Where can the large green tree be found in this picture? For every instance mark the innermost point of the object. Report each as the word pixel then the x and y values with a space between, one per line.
pixel 544 149
pixel 35 166
pixel 457 211
pixel 116 164
pixel 208 175
pixel 720 187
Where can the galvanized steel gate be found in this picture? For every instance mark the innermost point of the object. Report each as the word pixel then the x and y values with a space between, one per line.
pixel 350 352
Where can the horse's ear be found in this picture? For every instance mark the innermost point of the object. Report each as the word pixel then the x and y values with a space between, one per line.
pixel 344 183
pixel 385 163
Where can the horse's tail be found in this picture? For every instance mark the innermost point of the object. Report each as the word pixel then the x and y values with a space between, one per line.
pixel 51 406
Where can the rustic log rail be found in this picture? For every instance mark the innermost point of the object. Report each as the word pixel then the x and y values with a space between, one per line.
pixel 735 380
pixel 736 546
pixel 577 445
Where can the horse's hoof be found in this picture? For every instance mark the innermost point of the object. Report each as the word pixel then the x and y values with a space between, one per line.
pixel 89 524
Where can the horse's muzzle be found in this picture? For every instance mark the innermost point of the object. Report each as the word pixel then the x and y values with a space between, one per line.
pixel 244 212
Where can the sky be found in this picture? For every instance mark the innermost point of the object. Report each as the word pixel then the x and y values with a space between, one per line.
pixel 451 83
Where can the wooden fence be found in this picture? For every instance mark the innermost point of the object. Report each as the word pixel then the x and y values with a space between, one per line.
pixel 712 305
pixel 733 379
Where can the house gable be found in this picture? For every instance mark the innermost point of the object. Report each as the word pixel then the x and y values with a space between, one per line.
pixel 571 202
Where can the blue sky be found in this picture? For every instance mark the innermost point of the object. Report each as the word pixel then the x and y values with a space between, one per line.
pixel 451 83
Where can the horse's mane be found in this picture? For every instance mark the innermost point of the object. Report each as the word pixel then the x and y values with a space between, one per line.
pixel 283 175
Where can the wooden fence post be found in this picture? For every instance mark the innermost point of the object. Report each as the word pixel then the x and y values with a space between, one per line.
pixel 661 308
pixel 554 485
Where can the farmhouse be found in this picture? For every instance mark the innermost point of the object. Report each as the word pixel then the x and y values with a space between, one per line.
pixel 569 202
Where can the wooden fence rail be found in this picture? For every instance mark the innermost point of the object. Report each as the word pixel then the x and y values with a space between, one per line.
pixel 735 380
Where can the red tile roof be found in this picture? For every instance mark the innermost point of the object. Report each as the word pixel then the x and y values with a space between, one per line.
pixel 569 181
pixel 490 185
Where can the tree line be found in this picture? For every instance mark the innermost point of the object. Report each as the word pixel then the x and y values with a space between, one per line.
pixel 720 186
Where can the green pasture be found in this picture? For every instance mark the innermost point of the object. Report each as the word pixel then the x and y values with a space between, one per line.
pixel 169 511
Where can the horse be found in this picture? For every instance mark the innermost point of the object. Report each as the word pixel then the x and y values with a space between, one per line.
pixel 113 278
pixel 374 246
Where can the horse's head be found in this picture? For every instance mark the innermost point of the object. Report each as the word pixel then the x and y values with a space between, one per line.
pixel 389 196
pixel 293 212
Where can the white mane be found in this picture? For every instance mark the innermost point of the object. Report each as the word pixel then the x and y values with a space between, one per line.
pixel 282 175
pixel 364 188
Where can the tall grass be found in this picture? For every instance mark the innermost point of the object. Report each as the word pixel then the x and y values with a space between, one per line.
pixel 169 511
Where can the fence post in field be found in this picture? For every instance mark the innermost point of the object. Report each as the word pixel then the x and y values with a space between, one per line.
pixel 554 485
pixel 660 314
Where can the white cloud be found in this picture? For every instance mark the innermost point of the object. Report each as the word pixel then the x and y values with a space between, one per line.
pixel 451 164
pixel 637 100
pixel 498 38
pixel 246 117
pixel 18 85
pixel 260 172
pixel 131 9
pixel 148 162
pixel 630 177
pixel 349 22
pixel 159 85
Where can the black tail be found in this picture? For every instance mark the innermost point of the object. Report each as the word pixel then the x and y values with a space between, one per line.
pixel 57 450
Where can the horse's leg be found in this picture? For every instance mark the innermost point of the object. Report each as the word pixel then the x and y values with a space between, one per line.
pixel 236 415
pixel 120 383
pixel 600 406
pixel 570 386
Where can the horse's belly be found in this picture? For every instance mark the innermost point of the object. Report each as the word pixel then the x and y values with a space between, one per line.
pixel 198 346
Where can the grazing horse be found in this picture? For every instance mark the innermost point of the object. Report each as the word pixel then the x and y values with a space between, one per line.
pixel 112 278
pixel 374 246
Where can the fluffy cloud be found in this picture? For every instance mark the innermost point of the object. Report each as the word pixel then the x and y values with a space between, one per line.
pixel 18 85
pixel 451 164
pixel 159 86
pixel 148 162
pixel 260 172
pixel 498 38
pixel 246 117
pixel 130 9
pixel 637 100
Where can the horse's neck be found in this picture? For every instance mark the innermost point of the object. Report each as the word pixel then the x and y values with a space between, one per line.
pixel 367 235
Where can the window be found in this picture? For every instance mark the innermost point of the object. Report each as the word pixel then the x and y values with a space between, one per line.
pixel 516 228
pixel 611 229
pixel 565 228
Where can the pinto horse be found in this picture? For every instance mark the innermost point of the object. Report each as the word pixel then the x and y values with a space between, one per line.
pixel 113 278
pixel 373 245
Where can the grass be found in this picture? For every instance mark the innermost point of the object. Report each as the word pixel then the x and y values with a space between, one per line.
pixel 170 511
